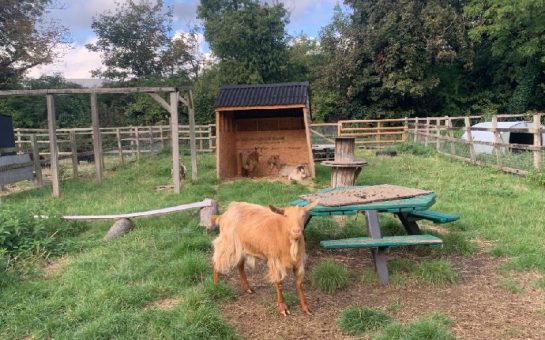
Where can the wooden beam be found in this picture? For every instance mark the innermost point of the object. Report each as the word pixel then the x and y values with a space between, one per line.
pixel 97 148
pixel 192 144
pixel 306 118
pixel 160 101
pixel 183 101
pixel 74 150
pixel 175 141
pixel 53 147
pixel 102 90
pixel 204 203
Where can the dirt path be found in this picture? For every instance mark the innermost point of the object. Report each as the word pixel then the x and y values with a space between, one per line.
pixel 478 305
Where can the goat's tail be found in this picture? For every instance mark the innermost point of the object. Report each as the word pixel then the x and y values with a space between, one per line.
pixel 227 251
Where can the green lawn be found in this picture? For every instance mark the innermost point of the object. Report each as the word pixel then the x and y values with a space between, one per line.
pixel 110 289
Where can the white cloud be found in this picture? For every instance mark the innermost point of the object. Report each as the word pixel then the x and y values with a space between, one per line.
pixel 77 62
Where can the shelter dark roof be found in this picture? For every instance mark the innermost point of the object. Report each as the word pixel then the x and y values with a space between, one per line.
pixel 262 95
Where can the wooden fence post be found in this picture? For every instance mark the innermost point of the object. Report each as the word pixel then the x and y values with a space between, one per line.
pixel 497 140
pixel 53 148
pixel 416 123
pixel 537 141
pixel 150 131
pixel 161 136
pixel 405 130
pixel 467 124
pixel 119 145
pixel 426 139
pixel 36 160
pixel 175 141
pixel 97 145
pixel 137 141
pixel 438 134
pixel 19 142
pixel 451 136
pixel 74 151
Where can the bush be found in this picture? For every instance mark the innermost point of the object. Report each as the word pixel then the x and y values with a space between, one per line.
pixel 329 277
pixel 437 272
pixel 358 321
pixel 24 232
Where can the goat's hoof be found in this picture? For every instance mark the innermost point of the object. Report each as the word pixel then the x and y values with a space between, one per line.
pixel 306 310
pixel 249 291
pixel 283 309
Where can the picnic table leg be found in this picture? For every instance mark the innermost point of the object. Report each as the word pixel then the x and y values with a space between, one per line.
pixel 410 225
pixel 379 254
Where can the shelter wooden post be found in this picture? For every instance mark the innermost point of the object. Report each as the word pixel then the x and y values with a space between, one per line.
pixel 497 140
pixel 192 144
pixel 306 117
pixel 537 141
pixel 97 145
pixel 119 145
pixel 53 148
pixel 467 123
pixel 175 141
pixel 36 161
pixel 74 151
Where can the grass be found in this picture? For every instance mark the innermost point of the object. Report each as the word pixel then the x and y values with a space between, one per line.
pixel 106 287
pixel 329 277
pixel 431 327
pixel 359 321
pixel 510 285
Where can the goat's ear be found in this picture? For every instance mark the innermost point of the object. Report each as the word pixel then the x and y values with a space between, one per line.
pixel 312 205
pixel 276 210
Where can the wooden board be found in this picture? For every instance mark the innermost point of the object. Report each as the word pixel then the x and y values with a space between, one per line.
pixel 359 195
pixel 12 175
pixel 386 241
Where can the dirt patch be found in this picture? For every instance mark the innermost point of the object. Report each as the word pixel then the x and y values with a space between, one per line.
pixel 478 305
pixel 52 268
pixel 164 304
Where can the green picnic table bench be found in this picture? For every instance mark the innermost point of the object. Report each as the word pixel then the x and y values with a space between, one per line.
pixel 408 210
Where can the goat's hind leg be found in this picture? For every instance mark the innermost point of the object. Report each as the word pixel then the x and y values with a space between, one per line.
pixel 244 278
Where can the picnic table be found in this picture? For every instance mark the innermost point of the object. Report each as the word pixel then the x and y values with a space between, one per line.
pixel 408 210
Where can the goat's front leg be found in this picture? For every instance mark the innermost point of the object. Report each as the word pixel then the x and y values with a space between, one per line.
pixel 282 307
pixel 244 278
pixel 298 272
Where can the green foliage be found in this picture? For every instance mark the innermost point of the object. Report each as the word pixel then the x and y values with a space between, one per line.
pixel 416 149
pixel 329 277
pixel 24 232
pixel 359 321
pixel 432 327
pixel 249 39
pixel 510 285
pixel 436 272
pixel 457 244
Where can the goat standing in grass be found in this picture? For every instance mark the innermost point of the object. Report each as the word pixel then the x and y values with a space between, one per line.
pixel 250 231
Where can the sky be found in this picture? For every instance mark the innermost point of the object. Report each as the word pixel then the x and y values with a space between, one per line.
pixel 76 62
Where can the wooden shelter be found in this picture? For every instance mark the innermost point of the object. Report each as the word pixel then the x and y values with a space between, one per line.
pixel 262 130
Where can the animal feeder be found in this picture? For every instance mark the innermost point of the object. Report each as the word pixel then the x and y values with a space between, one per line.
pixel 263 130
pixel 345 169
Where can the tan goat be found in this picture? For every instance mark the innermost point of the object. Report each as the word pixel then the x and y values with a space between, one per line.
pixel 275 235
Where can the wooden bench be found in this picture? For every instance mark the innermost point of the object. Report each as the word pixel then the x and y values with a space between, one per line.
pixel 385 241
pixel 434 216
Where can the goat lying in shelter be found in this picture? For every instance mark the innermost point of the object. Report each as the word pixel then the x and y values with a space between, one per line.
pixel 250 231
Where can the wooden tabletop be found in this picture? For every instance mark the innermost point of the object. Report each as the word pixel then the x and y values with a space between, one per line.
pixel 417 203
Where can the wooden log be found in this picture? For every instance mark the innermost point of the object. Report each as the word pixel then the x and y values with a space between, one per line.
pixel 344 149
pixel 97 147
pixel 192 144
pixel 53 148
pixel 36 161
pixel 175 141
pixel 74 151
pixel 537 142
pixel 119 145
pixel 206 212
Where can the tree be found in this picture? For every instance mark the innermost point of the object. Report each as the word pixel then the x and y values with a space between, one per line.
pixel 512 35
pixel 386 56
pixel 136 42
pixel 248 38
pixel 26 38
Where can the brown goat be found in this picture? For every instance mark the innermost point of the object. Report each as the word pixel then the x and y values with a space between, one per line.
pixel 275 235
